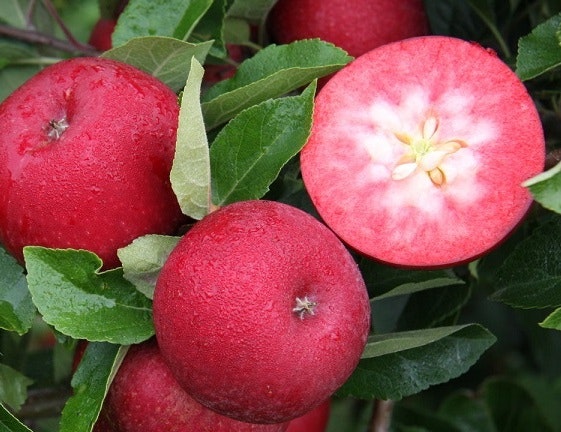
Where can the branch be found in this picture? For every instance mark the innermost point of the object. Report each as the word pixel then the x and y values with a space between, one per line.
pixel 381 416
pixel 34 37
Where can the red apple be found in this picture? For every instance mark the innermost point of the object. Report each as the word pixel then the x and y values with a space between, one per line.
pixel 418 151
pixel 144 396
pixel 100 37
pixel 260 312
pixel 86 149
pixel 357 26
pixel 315 420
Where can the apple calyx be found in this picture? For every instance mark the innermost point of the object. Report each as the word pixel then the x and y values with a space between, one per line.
pixel 304 306
pixel 425 152
pixel 56 128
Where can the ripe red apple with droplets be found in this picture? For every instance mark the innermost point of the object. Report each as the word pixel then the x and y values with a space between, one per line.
pixel 357 26
pixel 144 396
pixel 418 151
pixel 86 149
pixel 315 420
pixel 261 312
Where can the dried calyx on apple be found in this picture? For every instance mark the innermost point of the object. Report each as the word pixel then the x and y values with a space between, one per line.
pixel 423 166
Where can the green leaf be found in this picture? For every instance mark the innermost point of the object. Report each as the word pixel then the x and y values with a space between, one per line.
pixel 251 10
pixel 540 51
pixel 16 307
pixel 173 18
pixel 9 423
pixel 13 387
pixel 144 258
pixel 530 277
pixel 190 172
pixel 12 77
pixel 90 383
pixel 553 320
pixel 250 151
pixel 386 281
pixel 272 72
pixel 419 419
pixel 513 408
pixel 467 413
pixel 401 364
pixel 166 58
pixel 79 301
pixel 546 188
pixel 211 27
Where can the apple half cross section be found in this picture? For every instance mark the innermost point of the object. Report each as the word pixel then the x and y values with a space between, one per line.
pixel 418 151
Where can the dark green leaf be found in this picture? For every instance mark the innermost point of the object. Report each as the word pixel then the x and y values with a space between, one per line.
pixel 190 173
pixel 251 10
pixel 272 72
pixel 8 423
pixel 173 18
pixel 16 307
pixel 79 301
pixel 250 151
pixel 13 387
pixel 90 383
pixel 143 259
pixel 539 51
pixel 531 275
pixel 416 419
pixel 513 408
pixel 467 413
pixel 401 364
pixel 211 28
pixel 12 77
pixel 166 58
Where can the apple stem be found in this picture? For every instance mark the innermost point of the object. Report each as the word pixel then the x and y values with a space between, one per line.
pixel 304 306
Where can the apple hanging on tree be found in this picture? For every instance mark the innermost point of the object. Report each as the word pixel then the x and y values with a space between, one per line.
pixel 260 312
pixel 418 152
pixel 357 26
pixel 85 155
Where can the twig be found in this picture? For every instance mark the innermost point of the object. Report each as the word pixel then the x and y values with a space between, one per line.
pixel 73 41
pixel 34 37
pixel 381 416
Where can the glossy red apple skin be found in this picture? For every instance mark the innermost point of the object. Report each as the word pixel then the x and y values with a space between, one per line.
pixel 357 26
pixel 225 320
pixel 100 37
pixel 144 396
pixel 102 178
pixel 313 421
pixel 354 165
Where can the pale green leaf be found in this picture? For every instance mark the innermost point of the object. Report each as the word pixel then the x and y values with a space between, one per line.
pixel 546 188
pixel 165 58
pixel 13 387
pixel 144 258
pixel 190 172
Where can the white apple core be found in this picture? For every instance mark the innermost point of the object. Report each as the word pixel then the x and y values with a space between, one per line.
pixel 422 165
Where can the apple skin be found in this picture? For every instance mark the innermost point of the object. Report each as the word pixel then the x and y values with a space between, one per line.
pixel 144 396
pixel 357 26
pixel 100 37
pixel 315 420
pixel 364 167
pixel 225 318
pixel 99 177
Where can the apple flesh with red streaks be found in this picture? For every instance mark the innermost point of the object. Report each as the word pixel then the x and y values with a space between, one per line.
pixel 357 26
pixel 144 396
pixel 261 312
pixel 315 420
pixel 418 151
pixel 86 149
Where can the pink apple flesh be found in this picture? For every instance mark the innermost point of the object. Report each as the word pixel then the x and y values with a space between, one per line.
pixel 418 151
